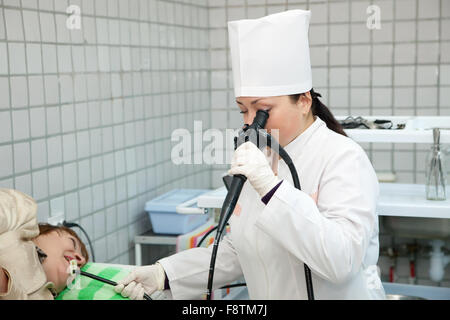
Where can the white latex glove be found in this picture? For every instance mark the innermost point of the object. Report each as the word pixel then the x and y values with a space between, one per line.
pixel 251 162
pixel 146 279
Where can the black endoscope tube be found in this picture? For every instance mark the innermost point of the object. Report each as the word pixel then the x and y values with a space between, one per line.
pixel 285 156
pixel 227 209
pixel 107 281
pixel 205 236
pixel 237 183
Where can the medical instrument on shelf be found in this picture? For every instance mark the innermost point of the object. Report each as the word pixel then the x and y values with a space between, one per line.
pixel 256 134
pixel 361 123
pixel 435 188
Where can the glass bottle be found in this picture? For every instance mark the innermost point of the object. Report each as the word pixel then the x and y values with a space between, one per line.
pixel 435 172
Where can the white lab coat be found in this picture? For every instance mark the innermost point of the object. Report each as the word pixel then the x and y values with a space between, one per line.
pixel 337 237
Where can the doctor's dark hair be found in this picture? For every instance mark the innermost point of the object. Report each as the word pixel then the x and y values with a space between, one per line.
pixel 322 111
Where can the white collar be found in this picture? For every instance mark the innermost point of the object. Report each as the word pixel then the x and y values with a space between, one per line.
pixel 294 147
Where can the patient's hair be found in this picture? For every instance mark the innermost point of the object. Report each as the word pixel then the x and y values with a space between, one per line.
pixel 45 228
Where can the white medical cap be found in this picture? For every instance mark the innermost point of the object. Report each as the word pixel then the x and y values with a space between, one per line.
pixel 270 55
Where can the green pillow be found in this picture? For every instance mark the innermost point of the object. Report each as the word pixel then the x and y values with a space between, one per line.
pixel 91 289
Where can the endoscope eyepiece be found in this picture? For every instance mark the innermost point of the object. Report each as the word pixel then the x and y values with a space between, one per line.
pixel 251 132
pixel 260 119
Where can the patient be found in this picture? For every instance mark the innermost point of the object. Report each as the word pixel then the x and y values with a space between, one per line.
pixel 34 259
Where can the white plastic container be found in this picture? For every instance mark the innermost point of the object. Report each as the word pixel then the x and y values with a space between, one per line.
pixel 164 217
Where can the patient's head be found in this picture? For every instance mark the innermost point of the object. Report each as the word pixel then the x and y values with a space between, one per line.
pixel 61 245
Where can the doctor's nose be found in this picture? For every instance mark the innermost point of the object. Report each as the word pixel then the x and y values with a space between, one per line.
pixel 249 116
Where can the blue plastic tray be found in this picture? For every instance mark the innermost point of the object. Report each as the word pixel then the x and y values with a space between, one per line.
pixel 163 215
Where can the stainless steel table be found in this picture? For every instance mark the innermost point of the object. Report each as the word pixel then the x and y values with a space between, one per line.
pixel 151 238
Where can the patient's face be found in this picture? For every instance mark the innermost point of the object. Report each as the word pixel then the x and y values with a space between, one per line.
pixel 60 249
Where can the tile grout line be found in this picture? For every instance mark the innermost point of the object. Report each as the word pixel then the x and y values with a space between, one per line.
pixel 439 61
pixel 349 74
pixel 28 102
pixel 393 149
pixel 46 116
pixel 115 210
pixel 415 83
pixel 60 107
pixel 10 96
pixel 44 96
pixel 208 22
pixel 371 150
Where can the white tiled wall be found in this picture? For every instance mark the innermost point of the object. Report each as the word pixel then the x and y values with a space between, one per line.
pixel 400 69
pixel 86 115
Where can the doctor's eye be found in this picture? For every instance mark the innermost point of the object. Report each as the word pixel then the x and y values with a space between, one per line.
pixel 242 112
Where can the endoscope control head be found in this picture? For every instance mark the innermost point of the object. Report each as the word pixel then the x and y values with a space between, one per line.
pixel 250 132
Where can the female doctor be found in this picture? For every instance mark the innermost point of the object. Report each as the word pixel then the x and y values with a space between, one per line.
pixel 330 225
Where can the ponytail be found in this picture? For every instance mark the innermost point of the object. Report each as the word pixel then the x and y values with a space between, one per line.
pixel 320 110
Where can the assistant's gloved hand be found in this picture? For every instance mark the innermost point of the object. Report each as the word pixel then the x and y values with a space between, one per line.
pixel 146 279
pixel 251 162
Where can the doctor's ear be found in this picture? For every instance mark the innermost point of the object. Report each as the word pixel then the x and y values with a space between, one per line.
pixel 305 102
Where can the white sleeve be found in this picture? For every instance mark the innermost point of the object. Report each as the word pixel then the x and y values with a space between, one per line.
pixel 332 241
pixel 188 270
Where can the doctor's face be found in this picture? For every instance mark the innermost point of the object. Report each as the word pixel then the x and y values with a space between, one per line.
pixel 290 118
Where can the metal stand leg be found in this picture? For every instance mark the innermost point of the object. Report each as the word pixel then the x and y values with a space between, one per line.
pixel 138 254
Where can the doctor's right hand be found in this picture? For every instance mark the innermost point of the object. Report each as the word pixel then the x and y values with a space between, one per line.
pixel 147 279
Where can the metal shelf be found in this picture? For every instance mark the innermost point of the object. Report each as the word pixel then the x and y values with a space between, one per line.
pixel 417 130
pixel 396 199
pixel 408 200
pixel 153 238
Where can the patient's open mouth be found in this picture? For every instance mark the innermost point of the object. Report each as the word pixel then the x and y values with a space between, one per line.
pixel 68 258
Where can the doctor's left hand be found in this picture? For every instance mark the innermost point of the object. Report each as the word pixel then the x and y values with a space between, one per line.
pixel 147 279
pixel 251 162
